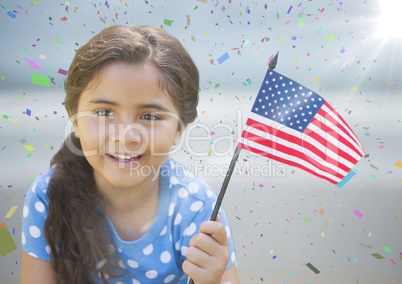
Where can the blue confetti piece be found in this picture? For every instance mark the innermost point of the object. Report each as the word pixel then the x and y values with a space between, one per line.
pixel 223 58
pixel 11 14
pixel 346 179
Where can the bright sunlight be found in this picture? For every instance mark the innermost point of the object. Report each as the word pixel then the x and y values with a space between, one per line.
pixel 390 20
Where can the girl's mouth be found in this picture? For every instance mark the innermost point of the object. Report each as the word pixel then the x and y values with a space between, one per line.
pixel 124 158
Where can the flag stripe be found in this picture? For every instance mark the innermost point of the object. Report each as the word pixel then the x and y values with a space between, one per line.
pixel 292 136
pixel 341 123
pixel 284 143
pixel 281 150
pixel 288 160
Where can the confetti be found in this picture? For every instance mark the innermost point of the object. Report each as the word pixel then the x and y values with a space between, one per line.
pixel 11 14
pixel 398 164
pixel 11 212
pixel 312 267
pixel 32 63
pixel 7 243
pixel 377 256
pixel 358 213
pixel 40 80
pixel 223 58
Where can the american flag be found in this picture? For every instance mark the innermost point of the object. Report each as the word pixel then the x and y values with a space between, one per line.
pixel 293 125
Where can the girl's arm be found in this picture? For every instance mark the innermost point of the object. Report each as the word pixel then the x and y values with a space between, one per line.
pixel 35 270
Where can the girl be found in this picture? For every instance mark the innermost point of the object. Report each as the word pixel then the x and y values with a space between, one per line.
pixel 113 207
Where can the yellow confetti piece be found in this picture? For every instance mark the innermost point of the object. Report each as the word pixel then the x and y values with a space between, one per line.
pixel 317 79
pixel 11 212
pixel 353 89
pixel 29 148
pixel 398 164
pixel 322 234
pixel 281 37
pixel 15 121
pixel 331 37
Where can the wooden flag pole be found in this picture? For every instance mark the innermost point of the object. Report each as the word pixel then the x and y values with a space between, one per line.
pixel 214 215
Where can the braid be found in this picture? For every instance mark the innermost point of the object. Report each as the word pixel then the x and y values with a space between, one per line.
pixel 76 228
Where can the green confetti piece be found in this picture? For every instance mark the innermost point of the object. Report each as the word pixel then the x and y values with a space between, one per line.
pixel 312 267
pixel 319 30
pixel 7 243
pixel 377 255
pixel 40 80
pixel 277 16
pixel 5 116
pixel 330 38
pixel 167 22
pixel 386 249
pixel 301 23
pixel 59 41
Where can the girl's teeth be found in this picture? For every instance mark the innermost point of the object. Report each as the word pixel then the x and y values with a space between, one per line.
pixel 124 157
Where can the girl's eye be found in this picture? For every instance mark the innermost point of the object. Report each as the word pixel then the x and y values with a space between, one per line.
pixel 150 116
pixel 105 112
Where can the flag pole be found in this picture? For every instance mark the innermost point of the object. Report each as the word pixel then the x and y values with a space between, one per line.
pixel 214 215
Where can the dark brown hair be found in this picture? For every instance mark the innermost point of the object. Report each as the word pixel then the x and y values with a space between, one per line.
pixel 76 228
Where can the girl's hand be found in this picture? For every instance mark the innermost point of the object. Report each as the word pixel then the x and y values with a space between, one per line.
pixel 208 254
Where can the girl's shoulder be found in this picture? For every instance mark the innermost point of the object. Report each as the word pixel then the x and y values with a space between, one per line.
pixel 41 183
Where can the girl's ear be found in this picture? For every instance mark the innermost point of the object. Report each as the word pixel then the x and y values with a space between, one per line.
pixel 179 133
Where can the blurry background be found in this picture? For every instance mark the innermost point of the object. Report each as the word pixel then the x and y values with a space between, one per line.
pixel 285 221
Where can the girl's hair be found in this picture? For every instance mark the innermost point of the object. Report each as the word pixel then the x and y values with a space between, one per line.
pixel 76 229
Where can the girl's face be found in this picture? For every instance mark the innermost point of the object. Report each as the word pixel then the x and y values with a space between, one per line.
pixel 126 126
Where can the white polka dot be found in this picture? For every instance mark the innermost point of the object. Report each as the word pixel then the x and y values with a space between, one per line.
pixel 183 193
pixel 47 249
pixel 177 245
pixel 151 274
pixel 169 278
pixel 25 211
pixel 148 250
pixel 121 264
pixel 39 206
pixel 193 187
pixel 33 187
pixel 233 256
pixel 228 233
pixel 173 181
pixel 196 206
pixel 163 231
pixel 171 209
pixel 34 231
pixel 23 238
pixel 32 254
pixel 178 218
pixel 47 179
pixel 165 256
pixel 135 281
pixel 120 282
pixel 184 250
pixel 190 230
pixel 132 263
pixel 210 193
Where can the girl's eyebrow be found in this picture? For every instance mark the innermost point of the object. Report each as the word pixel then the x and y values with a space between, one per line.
pixel 154 106
pixel 103 101
pixel 141 106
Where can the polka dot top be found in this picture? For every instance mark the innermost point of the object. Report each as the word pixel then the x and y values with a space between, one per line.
pixel 156 257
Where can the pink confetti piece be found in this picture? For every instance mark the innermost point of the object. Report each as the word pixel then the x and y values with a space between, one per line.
pixel 32 63
pixel 62 71
pixel 358 213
